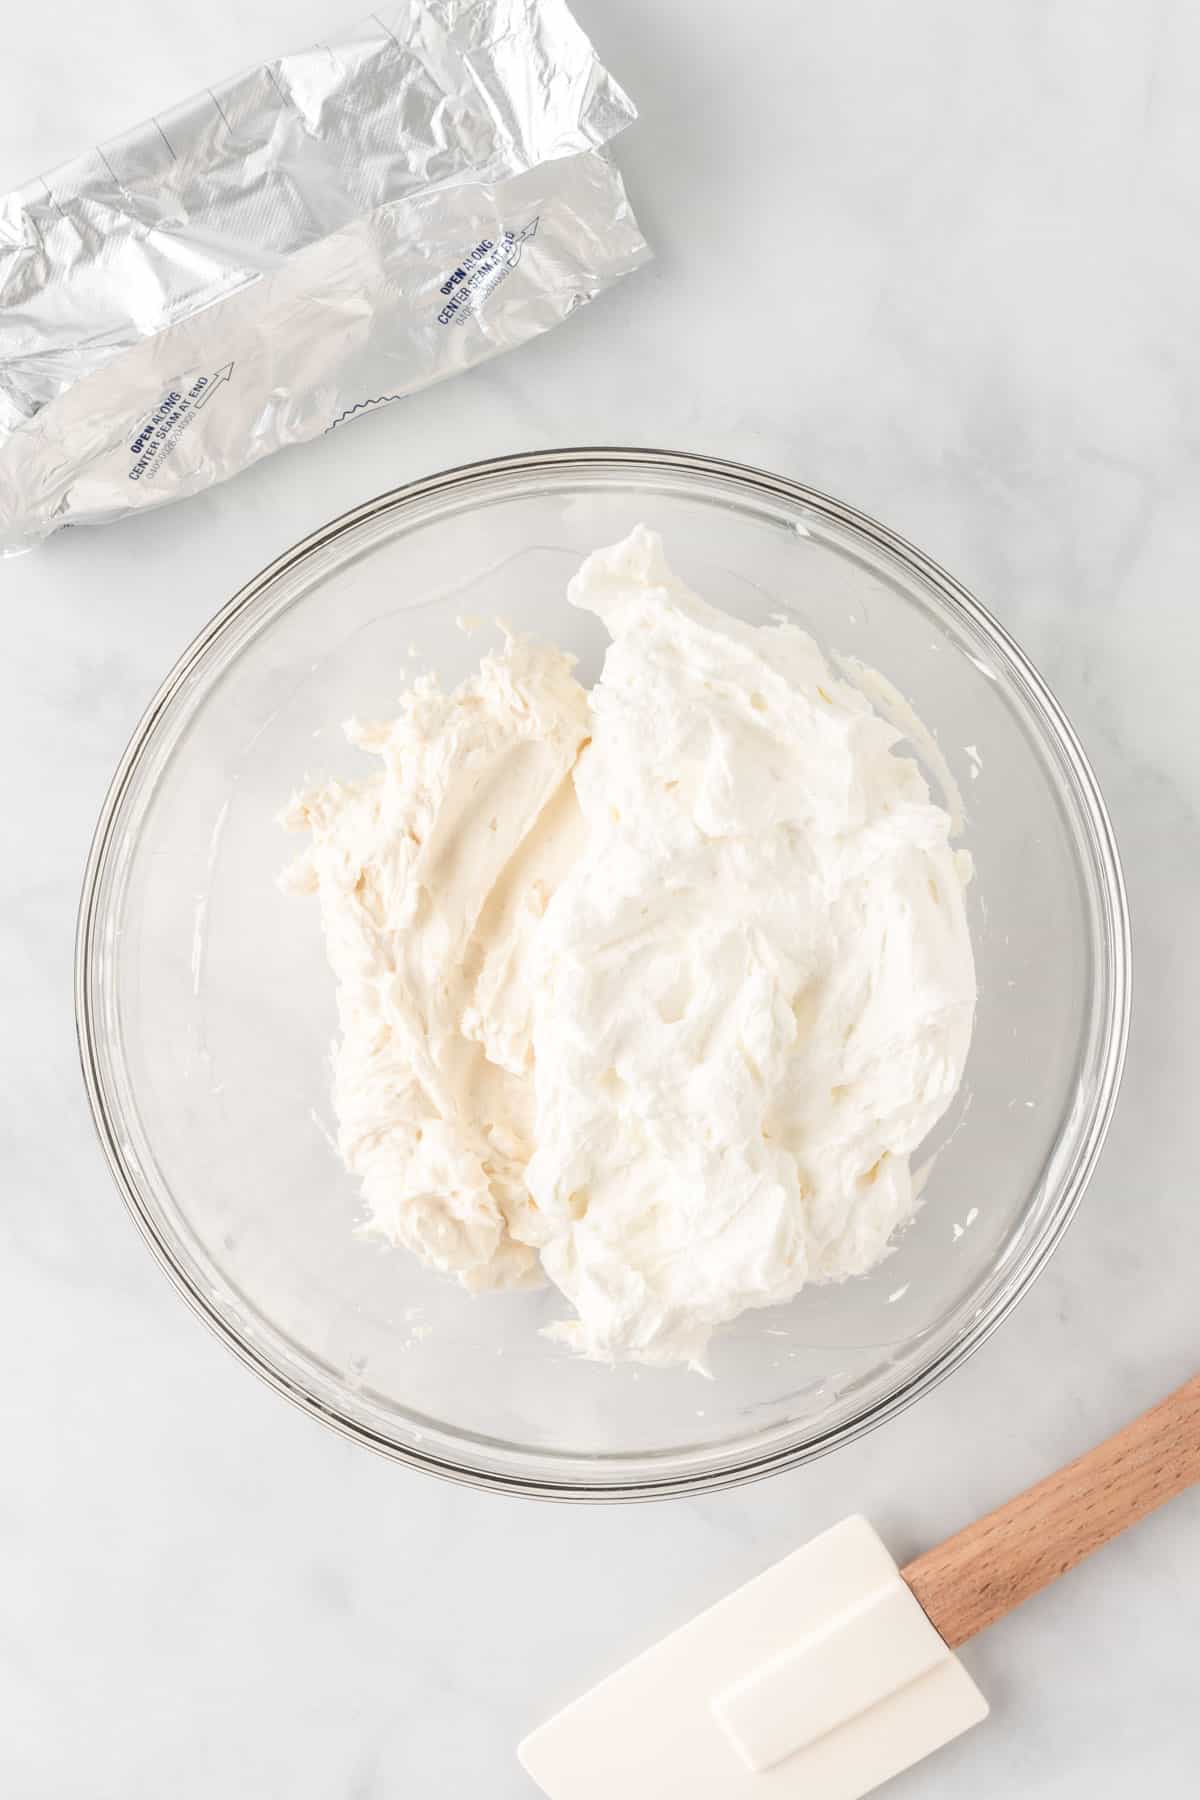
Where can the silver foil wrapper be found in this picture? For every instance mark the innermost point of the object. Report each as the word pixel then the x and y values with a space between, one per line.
pixel 310 240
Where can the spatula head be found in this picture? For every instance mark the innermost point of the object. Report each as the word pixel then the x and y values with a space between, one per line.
pixel 816 1681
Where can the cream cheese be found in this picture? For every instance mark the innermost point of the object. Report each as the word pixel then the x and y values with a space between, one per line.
pixel 433 876
pixel 659 987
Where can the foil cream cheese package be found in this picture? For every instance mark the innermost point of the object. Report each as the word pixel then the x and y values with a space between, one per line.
pixel 303 243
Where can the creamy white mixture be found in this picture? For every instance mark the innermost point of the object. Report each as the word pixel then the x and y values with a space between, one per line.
pixel 653 990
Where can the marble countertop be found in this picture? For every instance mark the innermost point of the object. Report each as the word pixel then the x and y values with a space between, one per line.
pixel 944 262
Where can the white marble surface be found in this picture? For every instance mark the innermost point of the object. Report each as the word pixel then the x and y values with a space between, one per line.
pixel 944 261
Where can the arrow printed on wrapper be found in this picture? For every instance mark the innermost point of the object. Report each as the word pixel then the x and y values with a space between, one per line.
pixel 214 382
pixel 159 431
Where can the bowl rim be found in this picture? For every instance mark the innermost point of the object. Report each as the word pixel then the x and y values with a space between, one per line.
pixel 1115 1027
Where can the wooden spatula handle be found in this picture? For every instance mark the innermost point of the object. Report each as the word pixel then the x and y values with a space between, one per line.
pixel 976 1577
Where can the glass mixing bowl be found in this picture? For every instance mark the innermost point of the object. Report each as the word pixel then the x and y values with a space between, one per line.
pixel 206 1010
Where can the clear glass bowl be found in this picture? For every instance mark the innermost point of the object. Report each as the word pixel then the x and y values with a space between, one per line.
pixel 206 1011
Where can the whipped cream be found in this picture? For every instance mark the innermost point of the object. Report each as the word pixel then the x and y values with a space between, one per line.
pixel 654 989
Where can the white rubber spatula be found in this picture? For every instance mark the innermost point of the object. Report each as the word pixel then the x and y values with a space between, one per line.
pixel 836 1669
